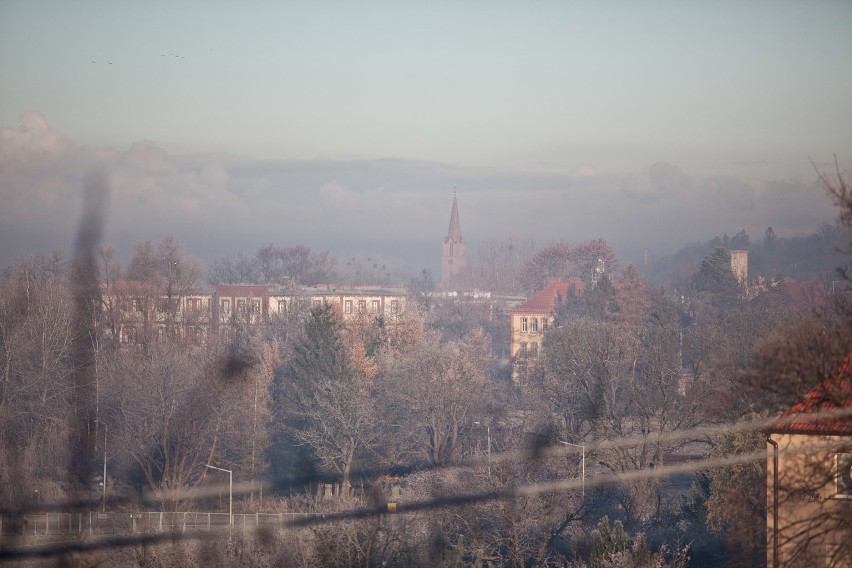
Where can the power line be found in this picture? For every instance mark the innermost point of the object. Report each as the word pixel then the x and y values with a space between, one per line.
pixel 528 490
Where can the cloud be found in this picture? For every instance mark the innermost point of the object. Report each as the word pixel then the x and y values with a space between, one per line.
pixel 33 139
pixel 335 195
pixel 37 169
pixel 584 170
pixel 217 204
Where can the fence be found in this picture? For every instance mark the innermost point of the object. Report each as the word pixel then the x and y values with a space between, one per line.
pixel 56 524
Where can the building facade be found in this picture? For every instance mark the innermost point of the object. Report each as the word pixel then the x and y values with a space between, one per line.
pixel 353 301
pixel 739 266
pixel 136 314
pixel 809 478
pixel 531 319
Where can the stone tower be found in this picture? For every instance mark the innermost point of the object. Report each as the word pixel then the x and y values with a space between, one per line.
pixel 739 266
pixel 453 258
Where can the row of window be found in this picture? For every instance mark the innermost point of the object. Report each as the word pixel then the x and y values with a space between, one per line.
pixel 164 304
pixel 241 306
pixel 196 305
pixel 531 324
pixel 375 306
pixel 528 350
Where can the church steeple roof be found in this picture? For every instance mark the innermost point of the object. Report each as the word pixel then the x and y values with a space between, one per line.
pixel 454 234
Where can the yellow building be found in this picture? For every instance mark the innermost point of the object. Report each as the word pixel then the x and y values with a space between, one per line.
pixel 531 319
pixel 809 479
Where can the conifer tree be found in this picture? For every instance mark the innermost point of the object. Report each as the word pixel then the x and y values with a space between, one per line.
pixel 332 410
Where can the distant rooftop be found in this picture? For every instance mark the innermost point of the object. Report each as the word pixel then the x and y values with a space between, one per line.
pixel 834 393
pixel 546 300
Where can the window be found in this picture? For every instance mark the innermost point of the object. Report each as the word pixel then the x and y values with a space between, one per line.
pixel 543 325
pixel 523 349
pixel 241 306
pixel 394 306
pixel 196 335
pixel 534 324
pixel 347 307
pixel 136 305
pixel 132 335
pixel 255 306
pixel 362 306
pixel 533 349
pixel 524 326
pixel 282 306
pixel 375 308
pixel 844 475
pixel 226 306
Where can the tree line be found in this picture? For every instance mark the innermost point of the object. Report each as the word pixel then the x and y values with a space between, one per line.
pixel 370 411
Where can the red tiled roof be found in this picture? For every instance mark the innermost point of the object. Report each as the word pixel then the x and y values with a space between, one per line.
pixel 241 290
pixel 833 393
pixel 805 294
pixel 545 301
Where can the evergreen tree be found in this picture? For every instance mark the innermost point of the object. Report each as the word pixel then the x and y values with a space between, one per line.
pixel 332 410
pixel 716 278
pixel 320 355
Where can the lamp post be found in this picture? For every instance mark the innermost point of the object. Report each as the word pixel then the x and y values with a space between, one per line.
pixel 230 492
pixel 583 448
pixel 105 458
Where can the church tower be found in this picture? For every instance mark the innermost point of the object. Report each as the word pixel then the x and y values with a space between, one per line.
pixel 454 258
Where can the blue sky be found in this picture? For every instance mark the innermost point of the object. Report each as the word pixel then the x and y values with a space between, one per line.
pixel 745 90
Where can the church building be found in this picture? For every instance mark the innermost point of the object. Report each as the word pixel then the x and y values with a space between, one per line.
pixel 453 257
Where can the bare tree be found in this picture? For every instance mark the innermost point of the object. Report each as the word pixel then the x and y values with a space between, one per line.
pixel 161 276
pixel 277 264
pixel 435 392
pixel 36 345
pixel 839 189
pixel 501 263
pixel 166 415
pixel 234 269
pixel 587 260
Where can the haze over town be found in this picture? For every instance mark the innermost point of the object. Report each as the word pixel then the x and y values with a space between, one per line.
pixel 348 128
pixel 417 284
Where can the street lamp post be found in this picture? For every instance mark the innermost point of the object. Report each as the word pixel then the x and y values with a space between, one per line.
pixel 105 458
pixel 230 493
pixel 583 448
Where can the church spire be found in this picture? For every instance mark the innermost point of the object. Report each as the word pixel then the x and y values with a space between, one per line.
pixel 454 234
pixel 453 258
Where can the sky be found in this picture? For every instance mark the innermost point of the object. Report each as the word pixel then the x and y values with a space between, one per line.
pixel 348 125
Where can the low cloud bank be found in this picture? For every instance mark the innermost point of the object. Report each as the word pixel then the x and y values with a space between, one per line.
pixel 217 204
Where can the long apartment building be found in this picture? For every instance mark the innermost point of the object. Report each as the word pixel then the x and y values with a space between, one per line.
pixel 134 310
